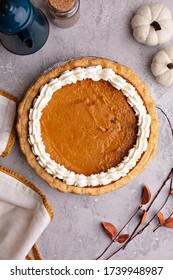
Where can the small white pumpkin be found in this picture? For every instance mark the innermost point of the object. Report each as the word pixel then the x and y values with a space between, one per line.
pixel 162 66
pixel 152 25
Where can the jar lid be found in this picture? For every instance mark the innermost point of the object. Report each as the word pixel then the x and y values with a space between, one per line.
pixel 62 5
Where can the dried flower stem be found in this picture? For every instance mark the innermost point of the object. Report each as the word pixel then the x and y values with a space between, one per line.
pixel 159 225
pixel 137 210
pixel 140 231
pixel 134 233
pixel 167 119
pixel 170 175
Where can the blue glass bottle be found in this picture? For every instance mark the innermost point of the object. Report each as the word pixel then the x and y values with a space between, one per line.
pixel 24 29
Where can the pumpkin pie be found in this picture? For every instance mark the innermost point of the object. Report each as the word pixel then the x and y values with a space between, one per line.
pixel 88 126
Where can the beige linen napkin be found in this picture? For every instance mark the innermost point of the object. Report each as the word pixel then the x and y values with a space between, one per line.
pixel 34 254
pixel 24 214
pixel 8 104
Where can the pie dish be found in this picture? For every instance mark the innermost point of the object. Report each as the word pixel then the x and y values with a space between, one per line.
pixel 88 126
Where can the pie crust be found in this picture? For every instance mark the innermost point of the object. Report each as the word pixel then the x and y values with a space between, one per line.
pixel 127 74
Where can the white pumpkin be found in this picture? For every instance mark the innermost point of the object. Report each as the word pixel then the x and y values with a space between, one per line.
pixel 152 25
pixel 162 66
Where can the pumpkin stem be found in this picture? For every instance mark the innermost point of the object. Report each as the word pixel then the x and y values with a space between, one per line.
pixel 170 65
pixel 156 25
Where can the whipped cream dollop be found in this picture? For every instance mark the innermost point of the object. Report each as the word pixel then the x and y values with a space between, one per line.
pixel 95 73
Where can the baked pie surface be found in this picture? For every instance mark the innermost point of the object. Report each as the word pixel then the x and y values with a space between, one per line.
pixel 101 139
pixel 88 127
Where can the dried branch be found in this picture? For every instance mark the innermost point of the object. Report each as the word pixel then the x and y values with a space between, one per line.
pixel 162 225
pixel 134 233
pixel 170 125
pixel 140 206
pixel 159 225
pixel 140 231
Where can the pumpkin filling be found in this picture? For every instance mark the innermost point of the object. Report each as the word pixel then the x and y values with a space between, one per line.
pixel 88 127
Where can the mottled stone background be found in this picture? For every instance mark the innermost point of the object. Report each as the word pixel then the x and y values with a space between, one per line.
pixel 75 233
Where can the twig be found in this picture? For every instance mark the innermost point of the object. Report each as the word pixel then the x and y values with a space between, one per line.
pixel 140 206
pixel 148 208
pixel 170 175
pixel 159 225
pixel 134 233
pixel 166 118
pixel 140 231
pixel 115 252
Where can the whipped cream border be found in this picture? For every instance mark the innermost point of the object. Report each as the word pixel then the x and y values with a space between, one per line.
pixel 95 73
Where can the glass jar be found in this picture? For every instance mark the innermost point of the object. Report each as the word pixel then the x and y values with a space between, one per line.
pixel 63 13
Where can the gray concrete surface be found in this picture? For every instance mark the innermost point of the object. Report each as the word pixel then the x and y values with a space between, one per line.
pixel 75 233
